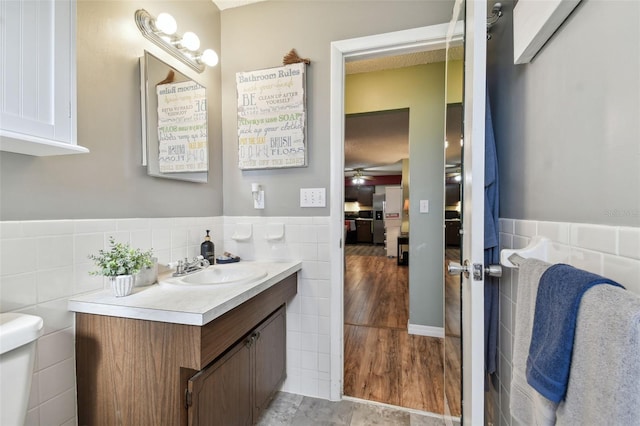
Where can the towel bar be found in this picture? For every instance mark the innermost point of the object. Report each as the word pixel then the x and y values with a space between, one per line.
pixel 516 259
pixel 537 248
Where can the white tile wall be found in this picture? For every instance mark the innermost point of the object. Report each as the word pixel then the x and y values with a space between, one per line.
pixel 611 251
pixel 308 316
pixel 43 263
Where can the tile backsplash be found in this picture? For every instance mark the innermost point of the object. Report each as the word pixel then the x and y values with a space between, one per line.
pixel 43 263
pixel 611 251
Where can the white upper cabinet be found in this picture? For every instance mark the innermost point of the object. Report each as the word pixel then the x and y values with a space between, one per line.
pixel 38 77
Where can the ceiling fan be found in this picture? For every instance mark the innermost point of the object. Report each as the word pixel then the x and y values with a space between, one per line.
pixel 358 177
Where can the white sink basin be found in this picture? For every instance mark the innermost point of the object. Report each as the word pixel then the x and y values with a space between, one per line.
pixel 221 275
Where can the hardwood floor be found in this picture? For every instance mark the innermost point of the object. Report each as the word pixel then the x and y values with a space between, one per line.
pixel 382 362
pixel 376 292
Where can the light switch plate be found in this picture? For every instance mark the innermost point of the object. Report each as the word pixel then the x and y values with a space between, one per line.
pixel 313 197
pixel 424 206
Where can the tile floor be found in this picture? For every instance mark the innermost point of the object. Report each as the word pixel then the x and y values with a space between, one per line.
pixel 289 409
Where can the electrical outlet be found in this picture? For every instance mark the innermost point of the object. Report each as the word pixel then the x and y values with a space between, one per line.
pixel 313 197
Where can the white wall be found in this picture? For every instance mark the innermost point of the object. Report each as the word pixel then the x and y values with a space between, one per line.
pixel 43 263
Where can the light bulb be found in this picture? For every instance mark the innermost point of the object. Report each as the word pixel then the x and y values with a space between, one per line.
pixel 209 57
pixel 190 41
pixel 166 23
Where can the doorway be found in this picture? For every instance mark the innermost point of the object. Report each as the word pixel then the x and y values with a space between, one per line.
pixel 431 38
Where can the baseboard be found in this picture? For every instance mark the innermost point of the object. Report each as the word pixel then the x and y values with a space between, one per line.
pixel 426 330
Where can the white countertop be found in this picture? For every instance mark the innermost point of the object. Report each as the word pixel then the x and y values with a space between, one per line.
pixel 191 305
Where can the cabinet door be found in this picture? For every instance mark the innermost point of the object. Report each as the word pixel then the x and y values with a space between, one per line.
pixel 222 393
pixel 350 193
pixel 365 195
pixel 38 112
pixel 365 231
pixel 270 359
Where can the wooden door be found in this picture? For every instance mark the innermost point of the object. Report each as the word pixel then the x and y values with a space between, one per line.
pixel 270 359
pixel 222 393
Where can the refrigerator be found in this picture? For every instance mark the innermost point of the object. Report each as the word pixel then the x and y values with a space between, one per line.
pixel 378 218
pixel 392 219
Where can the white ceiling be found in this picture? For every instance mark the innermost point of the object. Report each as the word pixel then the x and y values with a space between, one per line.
pixel 228 4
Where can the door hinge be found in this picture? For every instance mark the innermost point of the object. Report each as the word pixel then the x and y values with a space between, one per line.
pixel 188 398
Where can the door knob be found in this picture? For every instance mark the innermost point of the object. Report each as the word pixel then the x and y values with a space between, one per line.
pixel 454 268
pixel 493 271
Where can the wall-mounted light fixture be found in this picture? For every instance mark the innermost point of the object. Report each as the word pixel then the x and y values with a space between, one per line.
pixel 162 31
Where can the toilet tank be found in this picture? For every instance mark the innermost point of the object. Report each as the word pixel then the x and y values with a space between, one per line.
pixel 18 335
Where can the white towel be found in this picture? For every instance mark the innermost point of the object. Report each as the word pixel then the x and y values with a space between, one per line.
pixel 528 407
pixel 604 383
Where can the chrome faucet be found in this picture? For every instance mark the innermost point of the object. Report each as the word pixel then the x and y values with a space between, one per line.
pixel 185 267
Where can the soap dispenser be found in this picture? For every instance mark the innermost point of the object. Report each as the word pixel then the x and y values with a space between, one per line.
pixel 207 249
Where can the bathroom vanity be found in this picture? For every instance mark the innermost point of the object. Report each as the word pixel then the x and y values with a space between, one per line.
pixel 216 360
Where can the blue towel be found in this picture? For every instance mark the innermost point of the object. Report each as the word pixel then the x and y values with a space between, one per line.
pixel 559 293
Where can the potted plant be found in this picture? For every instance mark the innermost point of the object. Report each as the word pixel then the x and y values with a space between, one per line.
pixel 120 263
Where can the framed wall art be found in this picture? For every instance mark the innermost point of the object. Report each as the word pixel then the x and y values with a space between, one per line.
pixel 272 117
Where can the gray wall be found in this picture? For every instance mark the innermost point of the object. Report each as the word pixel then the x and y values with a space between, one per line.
pixel 109 182
pixel 258 36
pixel 568 124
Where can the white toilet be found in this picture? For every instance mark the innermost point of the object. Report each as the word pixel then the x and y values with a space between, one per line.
pixel 18 335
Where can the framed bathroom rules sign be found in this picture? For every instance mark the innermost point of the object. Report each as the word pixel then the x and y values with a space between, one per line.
pixel 272 118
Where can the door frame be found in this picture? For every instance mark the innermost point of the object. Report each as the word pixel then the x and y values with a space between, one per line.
pixel 395 43
pixel 474 103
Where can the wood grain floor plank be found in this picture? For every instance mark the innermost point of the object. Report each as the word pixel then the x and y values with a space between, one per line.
pixel 422 373
pixel 382 362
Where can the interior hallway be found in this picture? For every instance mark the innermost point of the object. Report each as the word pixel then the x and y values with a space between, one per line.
pixel 383 362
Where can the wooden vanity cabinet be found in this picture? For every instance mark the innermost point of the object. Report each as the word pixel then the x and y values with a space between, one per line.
pixel 235 389
pixel 140 372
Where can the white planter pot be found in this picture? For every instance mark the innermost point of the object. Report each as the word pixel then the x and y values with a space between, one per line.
pixel 122 285
pixel 148 275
